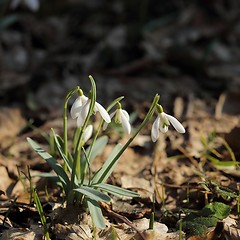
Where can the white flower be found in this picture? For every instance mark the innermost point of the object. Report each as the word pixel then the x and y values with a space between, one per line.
pixel 31 4
pixel 80 109
pixel 76 107
pixel 162 123
pixel 122 117
pixel 87 133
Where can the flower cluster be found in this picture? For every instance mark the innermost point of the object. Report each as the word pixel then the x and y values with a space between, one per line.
pixel 81 106
pixel 80 184
pixel 162 123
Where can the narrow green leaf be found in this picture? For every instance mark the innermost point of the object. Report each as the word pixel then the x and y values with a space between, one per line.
pixel 97 148
pixel 114 102
pixel 93 194
pixel 115 190
pixel 221 163
pixel 41 214
pixel 108 167
pixel 52 162
pixel 59 142
pixel 96 213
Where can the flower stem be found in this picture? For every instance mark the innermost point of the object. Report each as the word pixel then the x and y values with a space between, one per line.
pixel 76 169
pixel 65 135
pixel 143 124
pixel 97 133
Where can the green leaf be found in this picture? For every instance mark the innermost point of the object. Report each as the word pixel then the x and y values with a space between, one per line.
pixel 96 213
pixel 193 228
pixel 97 148
pixel 206 221
pixel 115 190
pixel 217 209
pixel 52 162
pixel 59 144
pixel 41 214
pixel 221 163
pixel 197 223
pixel 93 194
pixel 108 167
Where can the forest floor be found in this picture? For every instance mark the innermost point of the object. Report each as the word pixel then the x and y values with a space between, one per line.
pixel 190 181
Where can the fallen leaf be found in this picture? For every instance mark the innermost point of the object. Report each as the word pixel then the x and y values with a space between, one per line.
pixel 18 234
pixel 11 123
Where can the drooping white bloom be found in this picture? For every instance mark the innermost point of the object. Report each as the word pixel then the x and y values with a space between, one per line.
pixel 162 123
pixel 31 4
pixel 76 107
pixel 122 117
pixel 80 109
pixel 87 133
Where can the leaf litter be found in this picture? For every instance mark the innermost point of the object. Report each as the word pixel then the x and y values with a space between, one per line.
pixel 175 178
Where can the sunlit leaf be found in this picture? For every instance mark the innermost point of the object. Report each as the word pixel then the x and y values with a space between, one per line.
pixel 108 167
pixel 52 162
pixel 93 194
pixel 115 190
pixel 41 214
pixel 196 223
pixel 97 148
pixel 59 144
pixel 216 209
pixel 96 213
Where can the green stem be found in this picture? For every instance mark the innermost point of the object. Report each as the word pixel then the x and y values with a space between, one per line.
pixel 97 133
pixel 65 136
pixel 101 122
pixel 143 124
pixel 78 146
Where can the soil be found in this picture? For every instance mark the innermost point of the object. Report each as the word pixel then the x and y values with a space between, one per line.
pixel 186 51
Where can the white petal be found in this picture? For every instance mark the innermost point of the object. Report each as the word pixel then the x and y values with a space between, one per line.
pixel 125 121
pixel 83 114
pixel 164 119
pixel 105 124
pixel 126 114
pixel 87 133
pixel 76 107
pixel 103 112
pixel 84 99
pixel 163 129
pixel 80 121
pixel 155 129
pixel 176 124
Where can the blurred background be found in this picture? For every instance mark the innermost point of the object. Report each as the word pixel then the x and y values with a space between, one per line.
pixel 181 49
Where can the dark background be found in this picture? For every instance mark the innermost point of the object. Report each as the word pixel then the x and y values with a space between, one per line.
pixel 134 48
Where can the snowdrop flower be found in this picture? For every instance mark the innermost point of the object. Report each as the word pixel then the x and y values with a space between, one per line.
pixel 87 133
pixel 78 103
pixel 122 117
pixel 33 5
pixel 83 112
pixel 162 123
pixel 80 109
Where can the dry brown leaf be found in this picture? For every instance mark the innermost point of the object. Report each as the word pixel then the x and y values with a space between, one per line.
pixel 18 234
pixel 5 179
pixel 11 123
pixel 5 222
